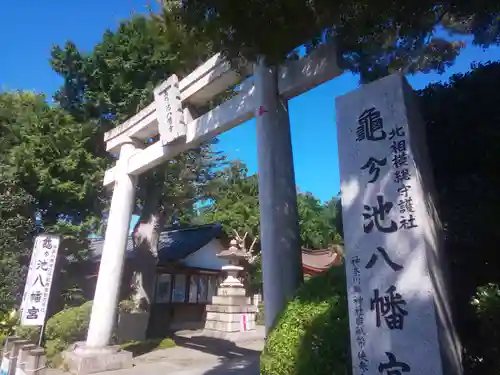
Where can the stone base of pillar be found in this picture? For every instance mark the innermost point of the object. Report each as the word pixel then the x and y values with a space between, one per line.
pixel 81 360
pixel 230 312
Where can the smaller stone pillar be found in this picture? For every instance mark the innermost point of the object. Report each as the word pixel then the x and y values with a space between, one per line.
pixel 4 368
pixel 231 310
pixel 257 299
pixel 22 358
pixel 8 343
pixel 35 362
pixel 15 345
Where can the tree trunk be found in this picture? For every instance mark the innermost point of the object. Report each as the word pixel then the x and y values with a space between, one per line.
pixel 146 235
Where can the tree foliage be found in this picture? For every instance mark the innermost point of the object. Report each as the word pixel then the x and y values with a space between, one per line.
pixel 47 170
pixel 318 222
pixel 51 156
pixel 463 131
pixel 373 38
pixel 117 78
pixel 16 228
pixel 115 81
pixel 235 204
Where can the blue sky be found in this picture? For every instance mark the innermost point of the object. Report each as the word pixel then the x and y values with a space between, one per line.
pixel 29 28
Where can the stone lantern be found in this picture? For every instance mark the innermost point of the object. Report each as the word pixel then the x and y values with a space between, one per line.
pixel 231 311
pixel 234 256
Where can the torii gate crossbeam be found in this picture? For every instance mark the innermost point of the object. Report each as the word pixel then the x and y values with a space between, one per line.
pixel 295 78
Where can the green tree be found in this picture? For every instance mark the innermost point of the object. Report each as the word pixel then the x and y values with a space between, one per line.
pixel 333 213
pixel 462 120
pixel 47 169
pixel 51 156
pixel 16 230
pixel 115 81
pixel 317 222
pixel 236 205
pixel 235 202
pixel 373 38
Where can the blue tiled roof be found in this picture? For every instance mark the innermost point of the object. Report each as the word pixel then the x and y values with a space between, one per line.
pixel 174 244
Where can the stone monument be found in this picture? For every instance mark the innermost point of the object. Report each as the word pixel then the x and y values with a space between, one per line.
pixel 231 311
pixel 399 311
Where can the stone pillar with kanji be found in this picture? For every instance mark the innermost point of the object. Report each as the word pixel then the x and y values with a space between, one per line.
pixel 399 304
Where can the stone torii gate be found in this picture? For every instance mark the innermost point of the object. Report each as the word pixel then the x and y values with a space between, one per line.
pixel 399 310
pixel 170 116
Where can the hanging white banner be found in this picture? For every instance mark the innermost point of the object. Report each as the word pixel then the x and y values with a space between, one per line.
pixel 39 280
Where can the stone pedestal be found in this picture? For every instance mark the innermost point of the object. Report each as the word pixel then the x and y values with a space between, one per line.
pixel 399 308
pixel 229 313
pixel 82 360
pixel 231 310
pixel 132 327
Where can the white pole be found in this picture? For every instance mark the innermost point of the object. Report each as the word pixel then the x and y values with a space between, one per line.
pixel 279 224
pixel 110 271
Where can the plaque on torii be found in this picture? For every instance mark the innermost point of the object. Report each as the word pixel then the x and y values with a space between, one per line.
pixel 170 117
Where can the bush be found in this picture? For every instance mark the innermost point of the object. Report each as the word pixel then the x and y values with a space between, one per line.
pixel 62 329
pixel 53 352
pixel 9 321
pixel 487 307
pixel 126 306
pixel 28 333
pixel 69 325
pixel 312 335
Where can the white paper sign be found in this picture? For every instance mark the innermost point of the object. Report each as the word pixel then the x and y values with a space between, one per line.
pixel 4 369
pixel 39 280
pixel 244 324
pixel 387 232
pixel 171 124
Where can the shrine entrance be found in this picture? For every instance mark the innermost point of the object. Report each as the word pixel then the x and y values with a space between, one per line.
pixel 171 116
pixel 398 308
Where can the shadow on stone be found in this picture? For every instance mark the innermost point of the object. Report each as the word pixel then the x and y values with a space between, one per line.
pixel 138 348
pixel 222 348
pixel 249 366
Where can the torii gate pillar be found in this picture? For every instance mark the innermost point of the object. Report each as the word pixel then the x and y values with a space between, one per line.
pixel 279 220
pixel 95 355
pixel 107 289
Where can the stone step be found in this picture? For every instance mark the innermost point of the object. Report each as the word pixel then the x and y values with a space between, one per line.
pixel 243 309
pixel 231 300
pixel 227 326
pixel 225 317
